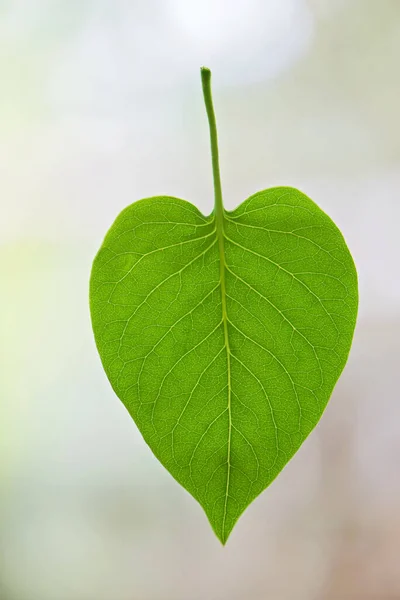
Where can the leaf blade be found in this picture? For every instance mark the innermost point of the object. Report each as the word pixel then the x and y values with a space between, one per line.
pixel 224 431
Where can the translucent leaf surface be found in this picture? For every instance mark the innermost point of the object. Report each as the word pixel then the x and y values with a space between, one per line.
pixel 224 335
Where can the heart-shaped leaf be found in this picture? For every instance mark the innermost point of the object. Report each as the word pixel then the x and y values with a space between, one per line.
pixel 224 335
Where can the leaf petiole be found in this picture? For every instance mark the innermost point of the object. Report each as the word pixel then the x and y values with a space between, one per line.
pixel 206 84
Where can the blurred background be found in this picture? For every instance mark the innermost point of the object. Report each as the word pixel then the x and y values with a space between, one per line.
pixel 101 105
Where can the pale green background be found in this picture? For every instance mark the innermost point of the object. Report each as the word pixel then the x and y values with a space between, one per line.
pixel 100 105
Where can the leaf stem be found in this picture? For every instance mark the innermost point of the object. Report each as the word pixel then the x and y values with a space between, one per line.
pixel 206 83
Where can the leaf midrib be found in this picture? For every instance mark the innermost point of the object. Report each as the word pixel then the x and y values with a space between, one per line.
pixel 219 218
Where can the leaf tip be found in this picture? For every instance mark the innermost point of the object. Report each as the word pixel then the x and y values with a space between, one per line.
pixel 222 535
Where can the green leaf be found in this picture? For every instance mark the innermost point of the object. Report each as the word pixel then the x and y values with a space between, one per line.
pixel 224 335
